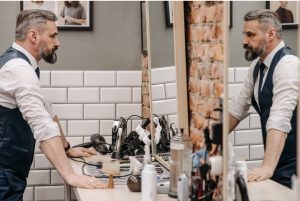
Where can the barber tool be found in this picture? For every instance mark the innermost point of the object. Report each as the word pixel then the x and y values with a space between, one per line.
pixel 114 134
pixel 120 138
pixel 173 129
pixel 111 168
pixel 136 140
pixel 162 136
pixel 98 142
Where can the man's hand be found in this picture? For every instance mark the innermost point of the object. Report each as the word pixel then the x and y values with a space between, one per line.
pixel 68 19
pixel 261 173
pixel 80 152
pixel 82 181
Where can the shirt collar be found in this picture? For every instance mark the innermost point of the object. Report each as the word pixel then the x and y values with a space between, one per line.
pixel 270 56
pixel 29 56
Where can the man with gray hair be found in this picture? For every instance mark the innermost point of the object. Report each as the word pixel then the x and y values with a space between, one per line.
pixel 271 87
pixel 25 116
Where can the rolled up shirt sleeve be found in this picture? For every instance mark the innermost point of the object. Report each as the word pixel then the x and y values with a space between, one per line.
pixel 49 108
pixel 240 104
pixel 24 86
pixel 286 89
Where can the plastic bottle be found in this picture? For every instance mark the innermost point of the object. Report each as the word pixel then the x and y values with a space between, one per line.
pixel 183 188
pixel 231 174
pixel 149 188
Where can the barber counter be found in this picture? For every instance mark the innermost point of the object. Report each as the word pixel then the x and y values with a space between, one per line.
pixel 267 190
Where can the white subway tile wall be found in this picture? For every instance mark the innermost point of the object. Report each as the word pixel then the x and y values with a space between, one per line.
pixel 246 138
pixel 88 102
pixel 164 93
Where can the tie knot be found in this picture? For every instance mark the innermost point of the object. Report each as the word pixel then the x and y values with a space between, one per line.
pixel 262 65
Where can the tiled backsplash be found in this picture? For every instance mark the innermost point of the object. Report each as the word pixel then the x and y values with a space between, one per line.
pixel 87 102
pixel 164 93
pixel 246 138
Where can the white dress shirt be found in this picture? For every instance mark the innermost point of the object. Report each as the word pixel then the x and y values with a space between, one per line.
pixel 20 87
pixel 286 80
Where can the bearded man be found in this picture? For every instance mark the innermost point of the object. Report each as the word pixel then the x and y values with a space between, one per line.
pixel 25 116
pixel 271 87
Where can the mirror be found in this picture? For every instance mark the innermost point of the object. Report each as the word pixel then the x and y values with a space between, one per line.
pixel 246 138
pixel 204 63
pixel 163 72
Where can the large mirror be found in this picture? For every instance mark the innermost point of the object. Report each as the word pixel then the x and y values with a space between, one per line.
pixel 164 76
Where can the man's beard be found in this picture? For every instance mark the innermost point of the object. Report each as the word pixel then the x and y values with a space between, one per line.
pixel 251 53
pixel 50 57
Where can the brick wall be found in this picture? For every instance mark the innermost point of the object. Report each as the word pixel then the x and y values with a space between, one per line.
pixel 246 138
pixel 87 102
pixel 205 66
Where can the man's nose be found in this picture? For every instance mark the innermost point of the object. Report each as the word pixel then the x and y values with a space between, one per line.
pixel 245 41
pixel 57 43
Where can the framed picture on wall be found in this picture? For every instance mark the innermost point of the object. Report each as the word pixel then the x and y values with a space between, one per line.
pixel 143 26
pixel 71 15
pixel 287 12
pixel 169 13
pixel 230 15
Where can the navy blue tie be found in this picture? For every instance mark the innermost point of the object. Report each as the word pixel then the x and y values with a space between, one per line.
pixel 262 67
pixel 37 71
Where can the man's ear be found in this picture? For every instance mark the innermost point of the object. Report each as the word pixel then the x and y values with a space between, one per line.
pixel 271 34
pixel 33 36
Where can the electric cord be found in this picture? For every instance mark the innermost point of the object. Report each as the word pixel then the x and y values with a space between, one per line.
pixel 156 116
pixel 102 176
pixel 83 161
pixel 134 115
pixel 86 163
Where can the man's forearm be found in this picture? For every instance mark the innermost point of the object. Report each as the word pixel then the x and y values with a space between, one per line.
pixel 233 122
pixel 274 146
pixel 55 152
pixel 63 138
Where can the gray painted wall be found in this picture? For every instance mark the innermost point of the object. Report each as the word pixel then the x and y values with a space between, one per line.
pixel 114 43
pixel 236 50
pixel 162 40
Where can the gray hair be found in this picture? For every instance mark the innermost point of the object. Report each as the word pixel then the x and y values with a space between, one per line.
pixel 32 18
pixel 267 18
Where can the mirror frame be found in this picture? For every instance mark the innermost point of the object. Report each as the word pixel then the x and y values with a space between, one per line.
pixel 298 108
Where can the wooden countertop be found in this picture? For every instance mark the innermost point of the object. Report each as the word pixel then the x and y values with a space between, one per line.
pixel 267 190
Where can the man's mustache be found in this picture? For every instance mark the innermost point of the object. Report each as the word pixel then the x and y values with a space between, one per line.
pixel 55 48
pixel 246 46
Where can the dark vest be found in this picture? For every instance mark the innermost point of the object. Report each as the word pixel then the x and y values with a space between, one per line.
pixel 16 138
pixel 286 166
